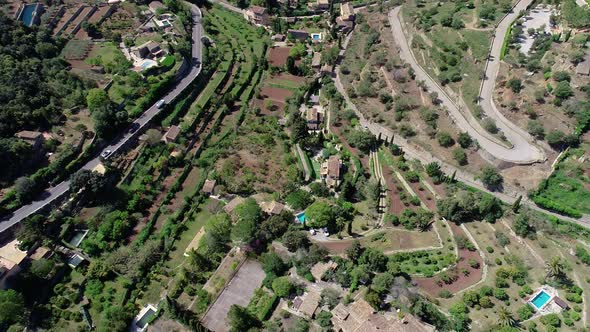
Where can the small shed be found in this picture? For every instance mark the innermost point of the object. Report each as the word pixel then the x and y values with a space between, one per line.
pixel 172 134
pixel 208 187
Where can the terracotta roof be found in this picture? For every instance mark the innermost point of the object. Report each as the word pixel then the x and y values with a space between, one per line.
pixel 258 10
pixel 310 303
pixel 340 311
pixel 155 5
pixel 318 270
pixel 172 133
pixel 272 207
pixel 312 114
pixel 208 186
pixel 28 134
pixel 361 317
pixel 346 9
pixel 560 302
pixel 334 166
pixel 232 204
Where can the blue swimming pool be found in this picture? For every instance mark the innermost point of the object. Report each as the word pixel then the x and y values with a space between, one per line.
pixel 540 299
pixel 301 217
pixel 29 13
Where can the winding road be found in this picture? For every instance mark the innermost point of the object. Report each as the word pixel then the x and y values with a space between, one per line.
pixel 522 151
pixel 53 193
pixel 413 151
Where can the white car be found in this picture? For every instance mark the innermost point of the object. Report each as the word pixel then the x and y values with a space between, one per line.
pixel 161 103
pixel 106 153
pixel 312 231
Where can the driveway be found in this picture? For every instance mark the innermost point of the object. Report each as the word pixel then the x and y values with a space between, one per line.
pixel 522 150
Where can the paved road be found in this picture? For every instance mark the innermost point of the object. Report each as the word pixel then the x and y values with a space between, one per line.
pixel 413 151
pixel 522 150
pixel 57 191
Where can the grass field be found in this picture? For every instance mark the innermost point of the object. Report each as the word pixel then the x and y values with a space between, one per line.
pixel 107 52
pixel 569 185
pixel 75 49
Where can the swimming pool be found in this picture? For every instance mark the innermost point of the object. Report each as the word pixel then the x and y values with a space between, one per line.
pixel 540 299
pixel 29 14
pixel 301 217
pixel 316 36
pixel 143 322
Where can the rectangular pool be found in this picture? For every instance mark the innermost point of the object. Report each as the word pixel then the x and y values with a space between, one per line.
pixel 540 299
pixel 301 217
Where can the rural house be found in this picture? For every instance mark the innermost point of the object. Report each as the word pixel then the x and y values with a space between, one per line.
pixel 360 317
pixel 313 119
pixel 208 187
pixel 319 5
pixel 172 134
pixel 297 34
pixel 316 61
pixel 34 138
pixel 346 12
pixel 272 207
pixel 330 171
pixel 256 15
pixel 155 5
pixel 149 49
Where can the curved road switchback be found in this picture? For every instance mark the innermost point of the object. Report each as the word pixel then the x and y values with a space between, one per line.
pixel 51 194
pixel 523 151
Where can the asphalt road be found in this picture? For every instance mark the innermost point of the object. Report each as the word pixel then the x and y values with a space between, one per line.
pixel 522 151
pixel 57 191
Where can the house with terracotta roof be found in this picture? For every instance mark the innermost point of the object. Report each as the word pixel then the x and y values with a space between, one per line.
pixel 155 5
pixel 172 134
pixel 313 119
pixel 231 205
pixel 208 187
pixel 320 268
pixel 300 35
pixel 257 15
pixel 330 171
pixel 272 207
pixel 361 317
pixel 308 303
pixel 346 11
pixel 34 138
pixel 319 5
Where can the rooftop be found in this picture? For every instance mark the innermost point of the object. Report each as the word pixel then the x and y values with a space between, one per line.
pixel 232 204
pixel 208 186
pixel 11 255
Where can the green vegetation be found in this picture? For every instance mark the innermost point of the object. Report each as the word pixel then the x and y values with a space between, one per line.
pixel 565 190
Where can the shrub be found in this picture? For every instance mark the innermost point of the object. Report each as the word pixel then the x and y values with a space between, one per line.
pixel 501 282
pixel 486 291
pixel 489 249
pixel 282 286
pixel 445 139
pixel 498 261
pixel 500 294
pixel 525 312
pixel 460 156
pixel 473 263
pixel 485 302
pixel 575 316
pixel 572 297
pixel 551 320
pixel 445 294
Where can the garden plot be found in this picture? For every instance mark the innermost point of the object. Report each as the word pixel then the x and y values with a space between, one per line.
pixel 239 291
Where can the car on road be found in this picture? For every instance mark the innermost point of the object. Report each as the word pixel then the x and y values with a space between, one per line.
pixel 106 153
pixel 161 103
pixel 133 128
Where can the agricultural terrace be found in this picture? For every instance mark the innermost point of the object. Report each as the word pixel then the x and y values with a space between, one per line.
pixel 161 195
pixel 381 87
